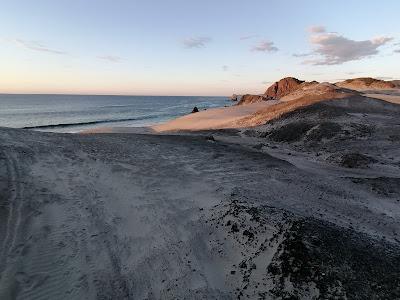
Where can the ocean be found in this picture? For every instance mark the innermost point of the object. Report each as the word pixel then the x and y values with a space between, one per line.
pixel 74 113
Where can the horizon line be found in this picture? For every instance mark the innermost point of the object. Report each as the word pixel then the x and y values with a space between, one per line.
pixel 122 95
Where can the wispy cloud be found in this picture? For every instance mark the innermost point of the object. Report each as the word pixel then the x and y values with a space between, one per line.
pixel 353 73
pixel 196 42
pixel 111 58
pixel 317 29
pixel 36 46
pixel 397 51
pixel 266 82
pixel 265 46
pixel 225 68
pixel 334 49
pixel 247 37
pixel 302 54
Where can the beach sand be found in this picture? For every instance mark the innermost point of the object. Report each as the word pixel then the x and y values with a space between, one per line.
pixel 217 118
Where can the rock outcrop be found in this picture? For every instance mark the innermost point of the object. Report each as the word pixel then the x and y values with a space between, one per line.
pixel 283 87
pixel 366 83
pixel 234 97
pixel 278 90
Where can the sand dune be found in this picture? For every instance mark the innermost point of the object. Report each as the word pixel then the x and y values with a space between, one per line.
pixel 366 83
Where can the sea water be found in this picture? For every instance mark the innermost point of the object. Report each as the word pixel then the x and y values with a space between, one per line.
pixel 73 113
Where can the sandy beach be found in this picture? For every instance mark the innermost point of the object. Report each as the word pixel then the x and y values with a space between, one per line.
pixel 307 204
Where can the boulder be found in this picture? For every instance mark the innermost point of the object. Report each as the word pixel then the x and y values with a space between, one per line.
pixel 195 110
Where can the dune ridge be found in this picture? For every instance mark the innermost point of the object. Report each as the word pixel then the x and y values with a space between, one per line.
pixel 365 83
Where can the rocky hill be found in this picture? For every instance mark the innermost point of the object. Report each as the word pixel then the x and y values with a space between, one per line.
pixel 278 90
pixel 285 86
pixel 365 83
pixel 290 85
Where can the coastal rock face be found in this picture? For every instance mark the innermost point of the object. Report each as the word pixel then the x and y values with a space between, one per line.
pixel 366 83
pixel 283 87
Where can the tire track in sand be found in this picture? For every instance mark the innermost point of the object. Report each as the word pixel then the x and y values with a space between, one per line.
pixel 14 205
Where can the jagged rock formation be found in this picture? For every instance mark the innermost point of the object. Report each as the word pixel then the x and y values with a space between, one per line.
pixel 365 84
pixel 283 87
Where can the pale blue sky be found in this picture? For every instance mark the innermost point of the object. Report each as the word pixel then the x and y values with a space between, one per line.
pixel 189 47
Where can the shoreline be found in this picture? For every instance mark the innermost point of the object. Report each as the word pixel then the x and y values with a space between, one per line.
pixel 243 116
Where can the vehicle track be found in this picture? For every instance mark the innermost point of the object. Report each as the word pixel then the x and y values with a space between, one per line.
pixel 13 206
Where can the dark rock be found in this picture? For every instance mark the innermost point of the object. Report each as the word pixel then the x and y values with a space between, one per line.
pixel 235 228
pixel 235 97
pixel 210 138
pixel 356 160
pixel 195 110
pixel 249 234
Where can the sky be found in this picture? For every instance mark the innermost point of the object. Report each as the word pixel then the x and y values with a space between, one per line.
pixel 188 47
